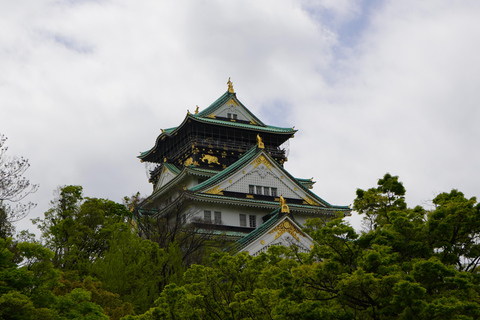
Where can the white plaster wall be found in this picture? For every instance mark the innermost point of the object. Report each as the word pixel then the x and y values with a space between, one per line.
pixel 231 108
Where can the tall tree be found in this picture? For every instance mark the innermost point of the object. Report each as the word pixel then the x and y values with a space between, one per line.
pixel 79 229
pixel 378 203
pixel 14 187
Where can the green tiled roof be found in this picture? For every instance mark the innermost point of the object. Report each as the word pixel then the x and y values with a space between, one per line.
pixel 245 125
pixel 248 156
pixel 172 168
pixel 273 203
pixel 270 129
pixel 276 215
pixel 222 100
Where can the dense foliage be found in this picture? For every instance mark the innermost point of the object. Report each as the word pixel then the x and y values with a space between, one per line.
pixel 409 263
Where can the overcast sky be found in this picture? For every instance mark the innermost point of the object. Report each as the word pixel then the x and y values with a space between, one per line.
pixel 372 87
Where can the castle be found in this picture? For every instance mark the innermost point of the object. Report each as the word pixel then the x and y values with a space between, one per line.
pixel 222 170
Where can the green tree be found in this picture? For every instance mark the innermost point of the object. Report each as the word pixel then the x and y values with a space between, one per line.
pixel 378 203
pixel 79 229
pixel 454 230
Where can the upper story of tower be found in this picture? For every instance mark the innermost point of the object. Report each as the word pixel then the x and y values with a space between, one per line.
pixel 215 138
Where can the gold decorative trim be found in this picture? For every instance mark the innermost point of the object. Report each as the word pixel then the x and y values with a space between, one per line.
pixel 232 101
pixel 196 110
pixel 249 196
pixel 188 162
pixel 212 116
pixel 283 205
pixel 210 159
pixel 230 86
pixel 253 122
pixel 262 241
pixel 215 190
pixel 259 142
pixel 286 226
pixel 262 160
pixel 310 201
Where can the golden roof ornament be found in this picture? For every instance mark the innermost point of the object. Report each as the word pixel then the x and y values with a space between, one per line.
pixel 259 142
pixel 230 86
pixel 196 110
pixel 283 205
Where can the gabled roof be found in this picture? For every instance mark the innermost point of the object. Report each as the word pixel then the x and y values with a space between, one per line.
pixel 211 110
pixel 255 234
pixel 269 227
pixel 203 117
pixel 246 159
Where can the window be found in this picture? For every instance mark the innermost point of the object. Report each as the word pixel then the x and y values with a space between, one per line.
pixel 229 115
pixel 253 221
pixel 234 116
pixel 266 191
pixel 207 216
pixel 243 220
pixel 274 192
pixel 218 217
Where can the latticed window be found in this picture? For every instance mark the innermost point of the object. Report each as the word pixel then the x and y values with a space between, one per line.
pixel 207 216
pixel 266 191
pixel 251 189
pixel 274 192
pixel 253 221
pixel 243 220
pixel 218 217
pixel 259 189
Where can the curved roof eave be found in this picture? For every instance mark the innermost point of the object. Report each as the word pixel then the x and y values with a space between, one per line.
pixel 246 158
pixel 267 204
pixel 189 116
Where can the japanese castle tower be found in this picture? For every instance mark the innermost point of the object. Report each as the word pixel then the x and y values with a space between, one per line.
pixel 222 170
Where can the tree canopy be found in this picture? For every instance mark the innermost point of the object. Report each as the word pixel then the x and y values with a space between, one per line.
pixel 408 263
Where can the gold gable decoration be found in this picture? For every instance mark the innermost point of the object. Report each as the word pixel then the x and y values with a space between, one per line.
pixel 286 226
pixel 262 160
pixel 215 190
pixel 310 201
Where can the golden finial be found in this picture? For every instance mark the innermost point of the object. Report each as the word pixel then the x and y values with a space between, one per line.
pixel 162 130
pixel 283 205
pixel 230 86
pixel 164 159
pixel 188 111
pixel 196 110
pixel 259 142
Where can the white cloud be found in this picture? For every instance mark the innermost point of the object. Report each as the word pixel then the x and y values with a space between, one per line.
pixel 86 85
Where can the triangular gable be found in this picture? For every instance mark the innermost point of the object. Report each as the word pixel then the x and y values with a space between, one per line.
pixel 229 107
pixel 281 230
pixel 257 168
pixel 169 172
